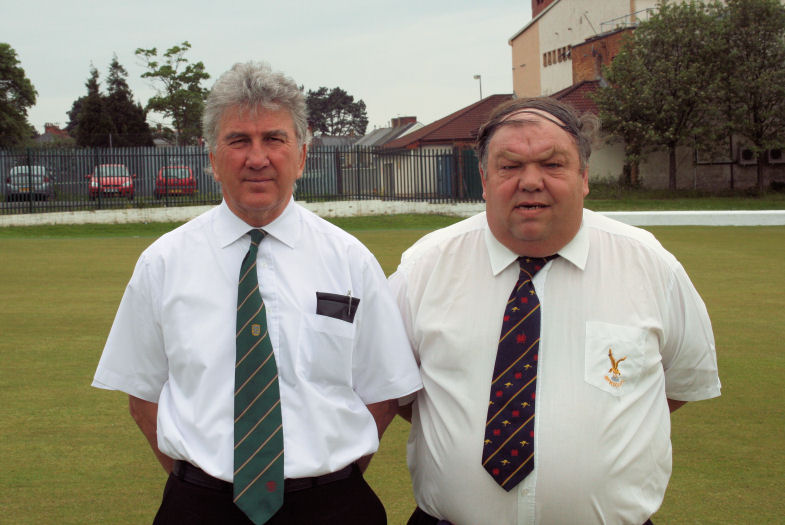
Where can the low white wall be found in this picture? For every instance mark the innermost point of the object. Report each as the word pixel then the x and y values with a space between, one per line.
pixel 383 207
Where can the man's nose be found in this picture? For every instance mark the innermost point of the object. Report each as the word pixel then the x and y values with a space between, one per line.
pixel 257 157
pixel 530 178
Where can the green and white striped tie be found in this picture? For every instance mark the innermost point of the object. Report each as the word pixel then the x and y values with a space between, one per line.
pixel 258 431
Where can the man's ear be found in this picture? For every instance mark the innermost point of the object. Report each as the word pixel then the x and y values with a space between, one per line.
pixel 482 180
pixel 585 178
pixel 303 156
pixel 216 176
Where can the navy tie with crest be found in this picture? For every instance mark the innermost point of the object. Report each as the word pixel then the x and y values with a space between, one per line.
pixel 508 452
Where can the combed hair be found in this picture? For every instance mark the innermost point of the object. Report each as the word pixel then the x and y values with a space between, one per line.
pixel 254 85
pixel 582 128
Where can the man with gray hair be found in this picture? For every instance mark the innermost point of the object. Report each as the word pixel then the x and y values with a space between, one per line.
pixel 259 345
pixel 553 343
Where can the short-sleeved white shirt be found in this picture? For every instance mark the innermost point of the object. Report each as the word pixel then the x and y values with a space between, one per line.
pixel 602 443
pixel 173 340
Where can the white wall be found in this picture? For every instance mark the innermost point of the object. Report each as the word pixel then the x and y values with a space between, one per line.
pixel 380 207
pixel 570 22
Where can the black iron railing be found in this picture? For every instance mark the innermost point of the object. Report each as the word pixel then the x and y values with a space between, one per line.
pixel 91 179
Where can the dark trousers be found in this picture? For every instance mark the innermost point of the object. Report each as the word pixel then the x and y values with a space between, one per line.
pixel 419 517
pixel 349 501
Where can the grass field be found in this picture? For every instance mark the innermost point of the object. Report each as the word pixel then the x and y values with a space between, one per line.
pixel 70 454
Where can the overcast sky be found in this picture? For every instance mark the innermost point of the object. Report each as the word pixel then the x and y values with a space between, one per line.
pixel 410 57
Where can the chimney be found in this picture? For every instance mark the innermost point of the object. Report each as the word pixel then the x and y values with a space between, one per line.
pixel 402 121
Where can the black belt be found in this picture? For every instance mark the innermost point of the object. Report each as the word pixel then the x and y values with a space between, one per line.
pixel 188 473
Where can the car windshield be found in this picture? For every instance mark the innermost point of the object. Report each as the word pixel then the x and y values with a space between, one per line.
pixel 24 177
pixel 177 173
pixel 24 171
pixel 111 171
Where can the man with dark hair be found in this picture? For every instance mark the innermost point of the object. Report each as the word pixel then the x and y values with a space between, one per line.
pixel 553 343
pixel 259 345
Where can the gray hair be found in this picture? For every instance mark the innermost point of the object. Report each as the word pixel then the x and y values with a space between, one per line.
pixel 582 128
pixel 254 85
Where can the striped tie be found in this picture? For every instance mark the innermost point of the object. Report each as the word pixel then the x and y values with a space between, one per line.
pixel 508 453
pixel 258 431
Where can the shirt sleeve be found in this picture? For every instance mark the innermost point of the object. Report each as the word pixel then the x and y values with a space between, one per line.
pixel 383 366
pixel 133 360
pixel 688 354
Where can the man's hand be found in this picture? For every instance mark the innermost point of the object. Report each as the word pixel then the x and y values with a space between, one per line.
pixel 145 414
pixel 674 405
pixel 382 412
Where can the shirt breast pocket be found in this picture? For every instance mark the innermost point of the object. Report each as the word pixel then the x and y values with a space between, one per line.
pixel 616 356
pixel 325 353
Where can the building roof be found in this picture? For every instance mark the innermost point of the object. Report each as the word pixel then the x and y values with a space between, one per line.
pixel 531 22
pixel 457 127
pixel 332 141
pixel 577 96
pixel 381 136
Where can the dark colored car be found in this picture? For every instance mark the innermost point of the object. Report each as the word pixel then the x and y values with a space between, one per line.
pixel 28 182
pixel 111 180
pixel 175 180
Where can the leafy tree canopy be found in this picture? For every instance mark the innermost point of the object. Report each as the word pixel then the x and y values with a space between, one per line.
pixel 180 95
pixel 94 125
pixel 662 82
pixel 335 112
pixel 696 73
pixel 16 95
pixel 112 119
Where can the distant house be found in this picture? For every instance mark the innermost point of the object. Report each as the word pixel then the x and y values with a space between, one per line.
pixel 52 134
pixel 438 159
pixel 381 136
pixel 456 130
pixel 330 141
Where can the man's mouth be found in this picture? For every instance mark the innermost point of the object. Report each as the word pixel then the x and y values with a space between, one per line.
pixel 531 206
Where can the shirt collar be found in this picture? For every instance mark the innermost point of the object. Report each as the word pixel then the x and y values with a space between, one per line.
pixel 576 251
pixel 286 228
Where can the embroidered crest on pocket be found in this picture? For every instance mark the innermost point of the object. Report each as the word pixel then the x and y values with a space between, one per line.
pixel 615 379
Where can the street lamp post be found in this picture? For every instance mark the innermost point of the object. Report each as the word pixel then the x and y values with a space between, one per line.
pixel 479 77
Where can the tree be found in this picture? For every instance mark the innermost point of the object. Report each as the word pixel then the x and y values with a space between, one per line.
pixel 129 118
pixel 16 95
pixel 180 95
pixel 334 112
pixel 667 82
pixel 755 76
pixel 73 115
pixel 622 113
pixel 94 124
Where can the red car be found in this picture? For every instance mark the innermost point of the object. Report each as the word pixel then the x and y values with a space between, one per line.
pixel 175 180
pixel 111 180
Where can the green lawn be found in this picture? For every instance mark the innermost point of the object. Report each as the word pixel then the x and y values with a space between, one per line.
pixel 71 453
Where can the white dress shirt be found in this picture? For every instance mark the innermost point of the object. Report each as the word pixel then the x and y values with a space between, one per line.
pixel 602 441
pixel 173 340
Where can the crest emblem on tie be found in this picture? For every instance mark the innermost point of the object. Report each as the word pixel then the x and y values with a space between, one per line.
pixel 615 379
pixel 256 330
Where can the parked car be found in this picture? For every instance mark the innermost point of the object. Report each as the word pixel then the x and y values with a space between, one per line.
pixel 28 182
pixel 175 180
pixel 111 180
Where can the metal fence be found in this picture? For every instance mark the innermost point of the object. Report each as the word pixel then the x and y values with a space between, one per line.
pixel 74 181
